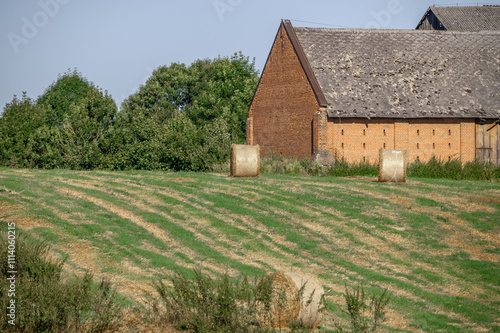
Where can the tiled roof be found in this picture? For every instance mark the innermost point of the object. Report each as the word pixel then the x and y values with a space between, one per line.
pixel 469 18
pixel 405 73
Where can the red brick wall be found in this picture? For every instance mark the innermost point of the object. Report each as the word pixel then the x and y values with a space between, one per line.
pixel 284 104
pixel 359 139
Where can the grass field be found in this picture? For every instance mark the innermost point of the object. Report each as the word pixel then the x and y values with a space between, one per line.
pixel 434 244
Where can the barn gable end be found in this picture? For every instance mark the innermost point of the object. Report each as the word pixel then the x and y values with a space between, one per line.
pixel 285 102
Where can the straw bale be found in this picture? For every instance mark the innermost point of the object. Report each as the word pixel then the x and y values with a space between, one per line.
pixel 392 166
pixel 245 160
pixel 310 301
pixel 285 305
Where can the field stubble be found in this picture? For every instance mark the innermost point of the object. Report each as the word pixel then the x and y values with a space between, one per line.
pixel 433 244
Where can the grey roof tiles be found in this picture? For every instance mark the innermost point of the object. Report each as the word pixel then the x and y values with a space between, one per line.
pixel 468 18
pixel 405 73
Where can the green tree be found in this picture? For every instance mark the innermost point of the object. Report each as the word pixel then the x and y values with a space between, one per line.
pixel 224 89
pixel 20 119
pixel 72 88
pixel 77 117
pixel 184 117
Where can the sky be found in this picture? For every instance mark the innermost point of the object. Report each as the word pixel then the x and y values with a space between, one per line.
pixel 117 44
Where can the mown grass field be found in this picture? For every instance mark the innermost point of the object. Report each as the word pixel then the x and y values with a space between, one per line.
pixel 434 244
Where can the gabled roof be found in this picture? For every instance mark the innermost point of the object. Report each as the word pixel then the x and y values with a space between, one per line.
pixel 305 63
pixel 405 73
pixel 468 18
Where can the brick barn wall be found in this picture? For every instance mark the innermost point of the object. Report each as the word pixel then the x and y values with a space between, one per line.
pixel 284 105
pixel 434 137
pixel 359 139
pixel 468 139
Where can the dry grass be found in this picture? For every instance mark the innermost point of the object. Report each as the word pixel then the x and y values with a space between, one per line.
pixel 398 237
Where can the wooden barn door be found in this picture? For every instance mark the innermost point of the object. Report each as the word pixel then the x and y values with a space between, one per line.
pixel 488 142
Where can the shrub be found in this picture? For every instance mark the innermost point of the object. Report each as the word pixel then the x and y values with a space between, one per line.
pixel 287 165
pixel 221 305
pixel 207 305
pixel 44 303
pixel 20 119
pixel 454 169
pixel 366 313
pixel 284 165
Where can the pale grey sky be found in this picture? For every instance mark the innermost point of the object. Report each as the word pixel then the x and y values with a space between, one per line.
pixel 118 43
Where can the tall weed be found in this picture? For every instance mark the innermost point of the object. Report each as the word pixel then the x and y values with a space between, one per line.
pixel 367 313
pixel 224 304
pixel 454 169
pixel 208 305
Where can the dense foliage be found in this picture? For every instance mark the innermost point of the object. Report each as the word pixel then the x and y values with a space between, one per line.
pixel 183 118
pixel 21 118
pixel 46 301
pixel 62 129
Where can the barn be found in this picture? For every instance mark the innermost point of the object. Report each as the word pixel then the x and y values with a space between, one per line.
pixel 353 91
pixel 461 18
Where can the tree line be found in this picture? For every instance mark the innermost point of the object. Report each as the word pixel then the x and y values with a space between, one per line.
pixel 182 118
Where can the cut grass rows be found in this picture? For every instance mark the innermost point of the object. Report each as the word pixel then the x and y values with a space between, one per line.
pixel 433 244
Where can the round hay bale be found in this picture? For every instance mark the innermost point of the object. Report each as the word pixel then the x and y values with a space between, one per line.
pixel 285 305
pixel 311 293
pixel 392 166
pixel 245 160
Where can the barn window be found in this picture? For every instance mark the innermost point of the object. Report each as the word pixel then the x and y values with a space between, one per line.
pixel 342 145
pixel 433 132
pixel 449 145
pixel 433 146
pixel 384 132
pixel 364 132
pixel 364 159
pixel 449 132
pixel 418 132
pixel 418 146
pixel 384 145
pixel 364 145
pixel 342 132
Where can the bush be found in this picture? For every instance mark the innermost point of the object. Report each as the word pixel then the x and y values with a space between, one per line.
pixel 44 303
pixel 366 313
pixel 454 169
pixel 286 165
pixel 20 119
pixel 207 305
pixel 221 305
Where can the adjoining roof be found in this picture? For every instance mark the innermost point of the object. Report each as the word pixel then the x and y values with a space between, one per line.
pixel 468 18
pixel 405 73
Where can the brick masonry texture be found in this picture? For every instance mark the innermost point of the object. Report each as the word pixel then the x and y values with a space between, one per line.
pixel 284 104
pixel 359 139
